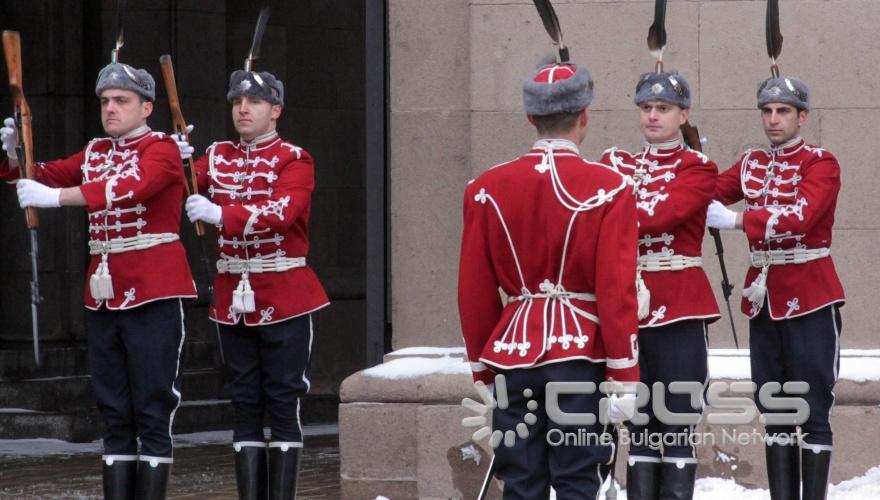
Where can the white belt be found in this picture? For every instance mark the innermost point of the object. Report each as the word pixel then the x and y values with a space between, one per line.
pixel 276 265
pixel 552 292
pixel 757 291
pixel 658 262
pixel 766 258
pixel 557 296
pixel 139 242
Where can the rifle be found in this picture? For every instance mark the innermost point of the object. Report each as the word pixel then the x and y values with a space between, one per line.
pixel 692 139
pixel 25 152
pixel 190 182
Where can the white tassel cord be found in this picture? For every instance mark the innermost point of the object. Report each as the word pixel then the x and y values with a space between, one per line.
pixel 757 291
pixel 644 298
pixel 101 283
pixel 243 296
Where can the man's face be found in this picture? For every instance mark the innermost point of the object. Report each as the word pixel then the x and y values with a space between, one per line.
pixel 782 122
pixel 123 111
pixel 660 121
pixel 253 116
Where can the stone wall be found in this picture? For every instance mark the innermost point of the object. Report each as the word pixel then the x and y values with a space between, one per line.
pixel 456 67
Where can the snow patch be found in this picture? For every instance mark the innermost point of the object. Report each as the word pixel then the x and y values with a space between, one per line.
pixel 470 452
pixel 404 368
pixel 857 365
pixel 714 488
pixel 858 488
pixel 429 351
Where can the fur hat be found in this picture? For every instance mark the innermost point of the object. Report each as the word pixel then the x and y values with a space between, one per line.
pixel 557 88
pixel 785 90
pixel 261 84
pixel 671 88
pixel 122 76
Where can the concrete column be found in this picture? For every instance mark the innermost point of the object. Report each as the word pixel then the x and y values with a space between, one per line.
pixel 429 51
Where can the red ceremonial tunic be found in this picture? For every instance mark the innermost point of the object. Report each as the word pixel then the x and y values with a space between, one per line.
pixel 557 235
pixel 134 187
pixel 791 193
pixel 265 191
pixel 674 185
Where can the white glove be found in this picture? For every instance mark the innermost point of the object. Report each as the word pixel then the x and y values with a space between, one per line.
pixel 200 208
pixel 186 151
pixel 621 408
pixel 9 137
pixel 720 216
pixel 33 194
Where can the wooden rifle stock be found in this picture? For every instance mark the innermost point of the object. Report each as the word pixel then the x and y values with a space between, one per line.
pixel 12 53
pixel 179 126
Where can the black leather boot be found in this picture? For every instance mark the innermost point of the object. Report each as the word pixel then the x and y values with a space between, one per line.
pixel 815 468
pixel 152 479
pixel 677 479
pixel 119 477
pixel 783 471
pixel 642 480
pixel 250 470
pixel 283 470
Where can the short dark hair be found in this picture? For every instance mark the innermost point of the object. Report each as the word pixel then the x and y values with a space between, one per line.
pixel 556 122
pixel 798 109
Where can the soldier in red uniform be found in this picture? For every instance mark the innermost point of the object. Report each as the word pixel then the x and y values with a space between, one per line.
pixel 557 235
pixel 792 295
pixel 131 183
pixel 257 190
pixel 673 186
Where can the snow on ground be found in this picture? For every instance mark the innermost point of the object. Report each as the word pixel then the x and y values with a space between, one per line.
pixel 17 448
pixel 865 487
pixel 430 351
pixel 857 365
pixel 413 367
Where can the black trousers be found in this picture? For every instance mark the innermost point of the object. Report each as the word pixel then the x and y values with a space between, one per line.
pixel 805 348
pixel 574 467
pixel 134 360
pixel 669 353
pixel 267 372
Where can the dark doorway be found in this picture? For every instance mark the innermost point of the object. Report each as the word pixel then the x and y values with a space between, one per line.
pixel 317 48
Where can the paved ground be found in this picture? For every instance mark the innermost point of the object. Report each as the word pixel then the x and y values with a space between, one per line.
pixel 200 472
